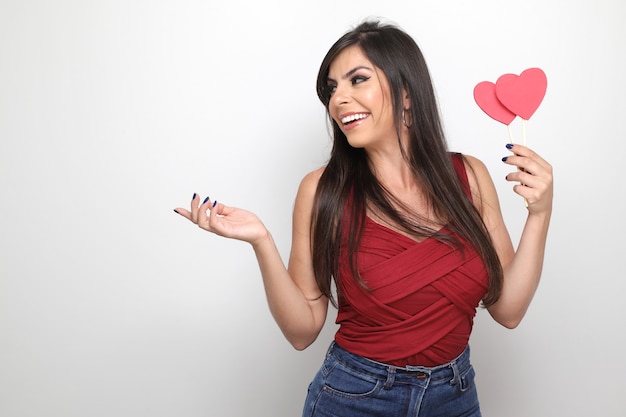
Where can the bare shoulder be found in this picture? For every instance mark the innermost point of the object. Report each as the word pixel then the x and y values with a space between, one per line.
pixel 313 177
pixel 476 169
pixel 479 179
pixel 303 206
pixel 308 185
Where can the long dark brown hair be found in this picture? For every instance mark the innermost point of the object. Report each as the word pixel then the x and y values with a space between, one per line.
pixel 348 173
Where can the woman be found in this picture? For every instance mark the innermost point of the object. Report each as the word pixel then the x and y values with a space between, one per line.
pixel 411 234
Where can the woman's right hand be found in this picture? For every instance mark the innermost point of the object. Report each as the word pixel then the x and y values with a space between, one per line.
pixel 230 222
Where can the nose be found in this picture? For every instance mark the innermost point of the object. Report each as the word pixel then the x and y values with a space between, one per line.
pixel 340 95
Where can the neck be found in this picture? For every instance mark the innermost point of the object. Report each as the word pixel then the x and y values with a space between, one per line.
pixel 391 168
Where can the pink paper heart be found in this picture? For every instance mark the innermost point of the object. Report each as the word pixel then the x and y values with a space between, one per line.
pixel 522 94
pixel 485 97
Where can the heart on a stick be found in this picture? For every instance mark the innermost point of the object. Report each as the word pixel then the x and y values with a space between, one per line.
pixel 522 94
pixel 512 95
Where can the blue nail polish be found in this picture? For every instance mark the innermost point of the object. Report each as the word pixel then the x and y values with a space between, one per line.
pixel 194 196
pixel 505 158
pixel 509 145
pixel 214 203
pixel 205 200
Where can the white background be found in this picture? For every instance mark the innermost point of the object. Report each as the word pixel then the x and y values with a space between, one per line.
pixel 112 113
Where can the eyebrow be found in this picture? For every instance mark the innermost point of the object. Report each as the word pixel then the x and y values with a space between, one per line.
pixel 349 73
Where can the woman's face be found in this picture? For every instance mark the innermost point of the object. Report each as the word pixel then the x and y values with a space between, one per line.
pixel 360 100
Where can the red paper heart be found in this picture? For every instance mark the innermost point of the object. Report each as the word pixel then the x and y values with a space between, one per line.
pixel 522 94
pixel 485 97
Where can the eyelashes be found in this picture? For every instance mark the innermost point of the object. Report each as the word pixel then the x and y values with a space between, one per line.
pixel 358 79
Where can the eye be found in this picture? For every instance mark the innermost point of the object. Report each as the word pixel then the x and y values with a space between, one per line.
pixel 358 79
pixel 330 89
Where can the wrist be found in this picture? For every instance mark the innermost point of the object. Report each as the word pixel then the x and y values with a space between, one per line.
pixel 262 239
pixel 539 220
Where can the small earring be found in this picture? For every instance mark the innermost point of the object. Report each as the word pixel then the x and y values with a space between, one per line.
pixel 404 119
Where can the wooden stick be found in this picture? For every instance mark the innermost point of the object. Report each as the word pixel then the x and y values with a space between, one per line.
pixel 524 143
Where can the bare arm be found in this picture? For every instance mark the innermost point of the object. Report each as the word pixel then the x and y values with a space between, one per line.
pixel 292 294
pixel 522 267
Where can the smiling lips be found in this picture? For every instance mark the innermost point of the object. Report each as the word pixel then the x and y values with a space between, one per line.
pixel 349 120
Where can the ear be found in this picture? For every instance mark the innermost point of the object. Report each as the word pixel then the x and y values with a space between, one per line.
pixel 406 102
pixel 406 109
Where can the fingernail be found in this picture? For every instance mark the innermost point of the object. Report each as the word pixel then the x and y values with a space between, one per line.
pixel 214 203
pixel 205 200
pixel 505 158
pixel 509 145
pixel 176 211
pixel 194 196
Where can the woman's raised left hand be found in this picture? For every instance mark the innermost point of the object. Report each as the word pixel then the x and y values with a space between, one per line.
pixel 534 178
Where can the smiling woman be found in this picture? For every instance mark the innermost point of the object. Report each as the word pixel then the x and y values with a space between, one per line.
pixel 410 233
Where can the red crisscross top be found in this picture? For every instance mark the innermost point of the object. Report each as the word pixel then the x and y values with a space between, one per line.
pixel 421 297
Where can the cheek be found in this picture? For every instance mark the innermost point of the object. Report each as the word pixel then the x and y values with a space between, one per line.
pixel 378 102
pixel 386 108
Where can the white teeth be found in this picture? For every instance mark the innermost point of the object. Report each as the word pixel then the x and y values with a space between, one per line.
pixel 353 117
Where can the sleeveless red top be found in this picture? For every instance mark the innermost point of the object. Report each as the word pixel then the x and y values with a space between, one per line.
pixel 421 297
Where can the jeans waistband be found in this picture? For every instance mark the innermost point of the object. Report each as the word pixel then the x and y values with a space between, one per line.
pixel 450 371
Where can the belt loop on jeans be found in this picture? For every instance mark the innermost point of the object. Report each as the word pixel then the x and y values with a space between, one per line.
pixel 391 377
pixel 456 377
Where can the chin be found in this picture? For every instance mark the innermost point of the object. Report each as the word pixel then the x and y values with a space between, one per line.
pixel 356 144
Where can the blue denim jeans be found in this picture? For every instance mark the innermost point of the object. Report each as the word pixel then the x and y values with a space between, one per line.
pixel 348 385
